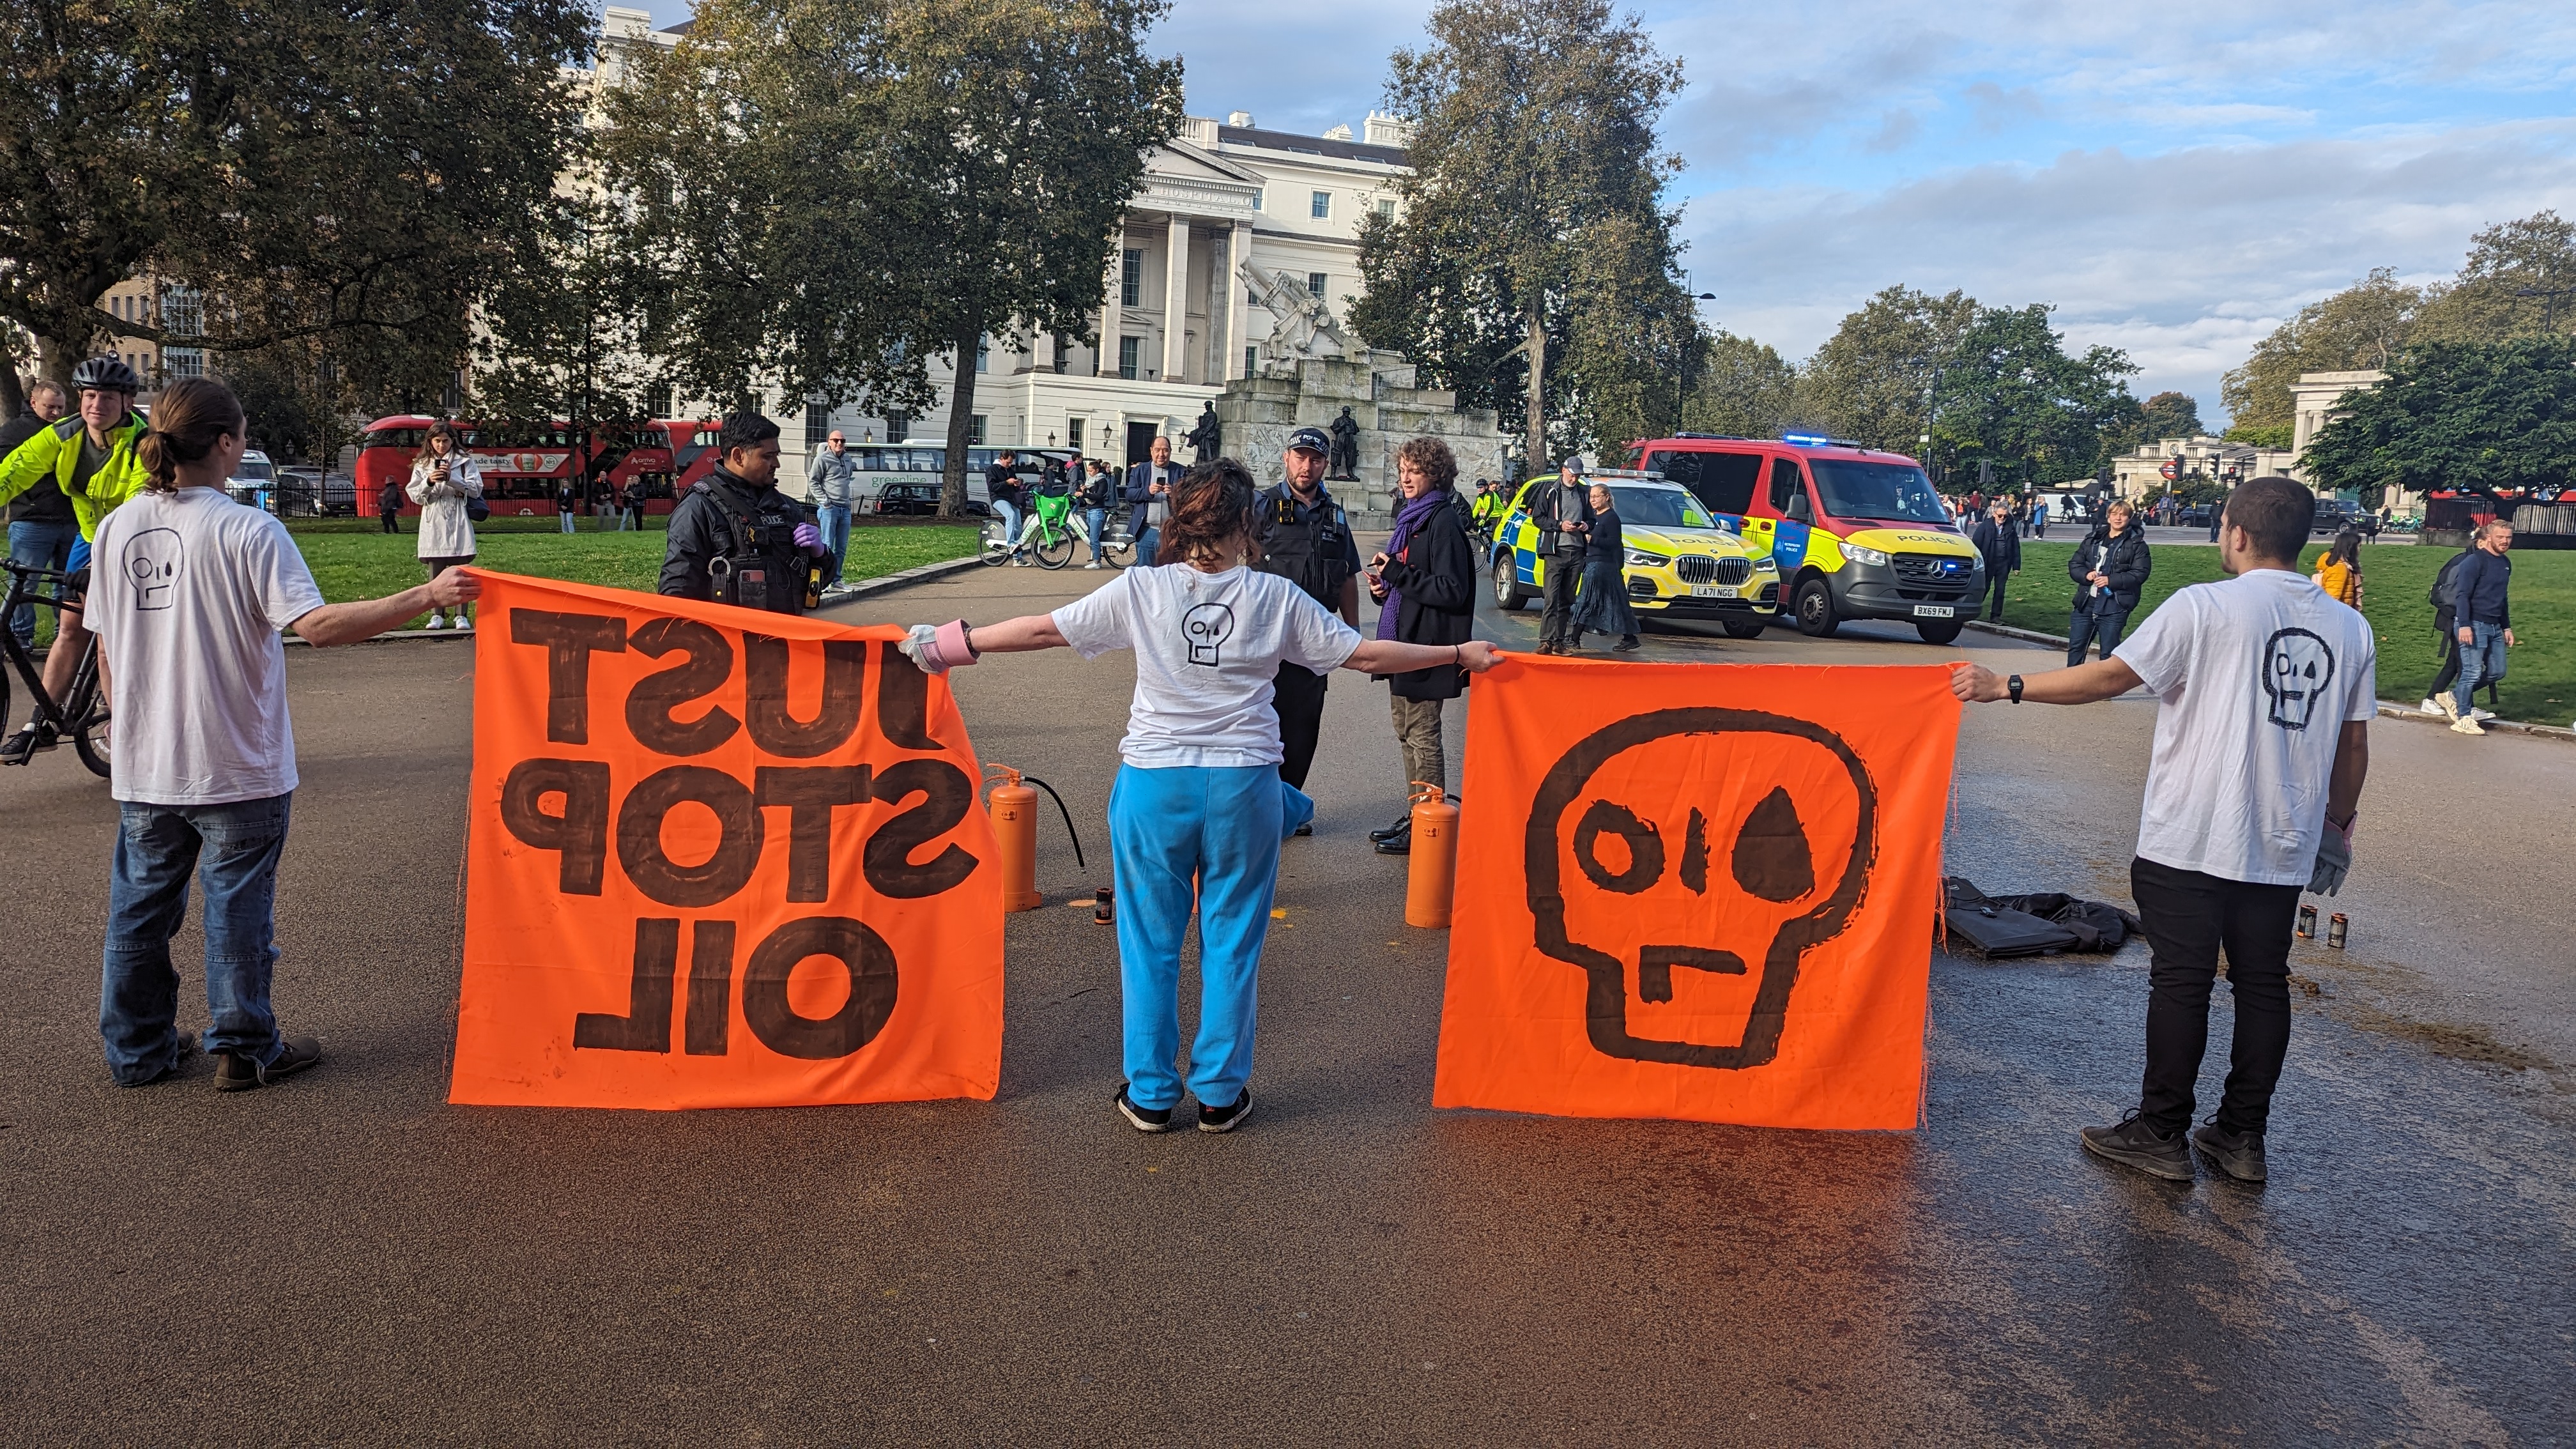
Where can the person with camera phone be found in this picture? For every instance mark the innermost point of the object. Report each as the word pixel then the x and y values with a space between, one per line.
pixel 448 485
pixel 735 539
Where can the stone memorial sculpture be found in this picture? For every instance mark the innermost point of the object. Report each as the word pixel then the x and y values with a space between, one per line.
pixel 1207 439
pixel 1343 464
pixel 1303 331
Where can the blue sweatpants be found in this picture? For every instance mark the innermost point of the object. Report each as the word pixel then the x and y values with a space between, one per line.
pixel 1217 828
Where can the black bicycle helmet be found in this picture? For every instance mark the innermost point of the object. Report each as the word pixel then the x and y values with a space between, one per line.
pixel 107 373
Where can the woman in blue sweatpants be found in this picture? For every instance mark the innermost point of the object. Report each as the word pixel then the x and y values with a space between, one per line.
pixel 1198 810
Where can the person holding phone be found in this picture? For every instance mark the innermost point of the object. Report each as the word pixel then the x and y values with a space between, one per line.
pixel 1562 512
pixel 443 477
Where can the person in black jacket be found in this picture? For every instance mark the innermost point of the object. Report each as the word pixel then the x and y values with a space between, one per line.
pixel 2000 543
pixel 2109 568
pixel 1562 512
pixel 1303 535
pixel 735 539
pixel 1603 606
pixel 1425 585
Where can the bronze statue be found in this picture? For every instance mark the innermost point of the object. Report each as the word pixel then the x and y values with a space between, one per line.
pixel 1344 463
pixel 1207 437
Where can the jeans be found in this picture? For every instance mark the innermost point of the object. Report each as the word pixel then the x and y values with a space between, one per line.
pixel 1010 516
pixel 2086 626
pixel 567 517
pixel 1095 521
pixel 2481 661
pixel 1417 734
pixel 2189 916
pixel 1215 830
pixel 38 546
pixel 836 537
pixel 233 850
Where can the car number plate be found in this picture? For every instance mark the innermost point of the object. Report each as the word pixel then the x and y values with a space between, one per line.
pixel 1713 591
pixel 1933 611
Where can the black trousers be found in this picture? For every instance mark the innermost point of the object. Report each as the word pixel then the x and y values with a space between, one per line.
pixel 388 520
pixel 1300 701
pixel 2189 916
pixel 1556 625
pixel 1995 584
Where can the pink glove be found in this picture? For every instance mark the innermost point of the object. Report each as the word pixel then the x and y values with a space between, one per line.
pixel 810 538
pixel 938 648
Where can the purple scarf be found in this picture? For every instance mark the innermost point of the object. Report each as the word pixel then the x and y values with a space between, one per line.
pixel 1408 522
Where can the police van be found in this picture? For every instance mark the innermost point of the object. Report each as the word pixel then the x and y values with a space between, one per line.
pixel 1857 533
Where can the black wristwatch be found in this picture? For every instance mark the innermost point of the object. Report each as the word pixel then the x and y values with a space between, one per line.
pixel 2014 684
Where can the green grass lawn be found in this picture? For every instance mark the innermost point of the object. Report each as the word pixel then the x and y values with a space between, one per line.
pixel 354 559
pixel 2539 685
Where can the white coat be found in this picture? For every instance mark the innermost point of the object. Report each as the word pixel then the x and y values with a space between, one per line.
pixel 445 531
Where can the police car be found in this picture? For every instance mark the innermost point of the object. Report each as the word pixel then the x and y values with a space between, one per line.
pixel 1682 562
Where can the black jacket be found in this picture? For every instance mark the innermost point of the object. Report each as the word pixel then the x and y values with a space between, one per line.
pixel 2001 546
pixel 1544 502
pixel 2126 563
pixel 702 530
pixel 1437 582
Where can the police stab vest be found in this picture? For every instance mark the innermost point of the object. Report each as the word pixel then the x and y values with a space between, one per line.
pixel 1309 554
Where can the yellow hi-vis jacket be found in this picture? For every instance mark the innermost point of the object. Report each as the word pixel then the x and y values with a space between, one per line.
pixel 56 450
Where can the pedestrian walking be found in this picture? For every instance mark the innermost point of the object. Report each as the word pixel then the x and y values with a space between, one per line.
pixel 1425 586
pixel 1302 535
pixel 567 506
pixel 42 528
pixel 1601 601
pixel 204 771
pixel 1148 491
pixel 2265 689
pixel 1095 498
pixel 1198 810
pixel 2000 546
pixel 2444 597
pixel 735 539
pixel 2109 568
pixel 2039 518
pixel 447 484
pixel 2216 513
pixel 1562 513
pixel 831 480
pixel 2482 620
pixel 389 502
pixel 2339 569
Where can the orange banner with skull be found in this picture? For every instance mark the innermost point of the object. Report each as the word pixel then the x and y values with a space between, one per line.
pixel 718 858
pixel 1697 891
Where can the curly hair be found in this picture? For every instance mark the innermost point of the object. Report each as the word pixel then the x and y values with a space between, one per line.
pixel 1432 458
pixel 1211 508
pixel 187 419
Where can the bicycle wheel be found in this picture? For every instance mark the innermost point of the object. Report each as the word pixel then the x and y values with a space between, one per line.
pixel 996 548
pixel 1055 548
pixel 1119 549
pixel 92 744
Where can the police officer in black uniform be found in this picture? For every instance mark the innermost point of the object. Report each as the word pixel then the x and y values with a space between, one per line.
pixel 1306 539
pixel 735 539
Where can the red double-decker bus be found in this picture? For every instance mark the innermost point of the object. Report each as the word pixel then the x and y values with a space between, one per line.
pixel 524 462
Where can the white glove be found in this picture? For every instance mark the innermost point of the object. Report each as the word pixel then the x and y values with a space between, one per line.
pixel 2334 858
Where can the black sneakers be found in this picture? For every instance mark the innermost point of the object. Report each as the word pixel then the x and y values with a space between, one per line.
pixel 239 1072
pixel 23 746
pixel 2135 1144
pixel 1143 1119
pixel 1225 1119
pixel 2238 1154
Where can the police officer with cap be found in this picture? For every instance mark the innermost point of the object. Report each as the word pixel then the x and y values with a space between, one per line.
pixel 1306 538
pixel 735 539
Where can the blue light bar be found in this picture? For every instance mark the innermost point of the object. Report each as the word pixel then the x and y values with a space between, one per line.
pixel 1806 440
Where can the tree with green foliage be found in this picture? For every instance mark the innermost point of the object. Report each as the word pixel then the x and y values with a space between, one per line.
pixel 2167 415
pixel 1870 381
pixel 1531 265
pixel 311 170
pixel 2364 326
pixel 2519 281
pixel 2276 436
pixel 2480 417
pixel 1742 389
pixel 2011 395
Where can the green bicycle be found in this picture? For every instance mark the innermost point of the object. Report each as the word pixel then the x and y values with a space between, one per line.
pixel 1048 534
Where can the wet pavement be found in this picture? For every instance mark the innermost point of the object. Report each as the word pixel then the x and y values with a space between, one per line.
pixel 347 1257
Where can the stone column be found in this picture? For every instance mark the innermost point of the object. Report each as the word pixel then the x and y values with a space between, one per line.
pixel 1176 301
pixel 1235 338
pixel 1110 320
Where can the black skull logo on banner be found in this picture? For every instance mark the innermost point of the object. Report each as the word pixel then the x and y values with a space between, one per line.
pixel 1682 826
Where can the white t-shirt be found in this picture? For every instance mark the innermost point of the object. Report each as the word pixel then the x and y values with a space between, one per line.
pixel 2255 678
pixel 187 594
pixel 1207 646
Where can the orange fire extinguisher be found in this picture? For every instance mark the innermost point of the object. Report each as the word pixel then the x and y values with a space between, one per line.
pixel 1014 810
pixel 1431 880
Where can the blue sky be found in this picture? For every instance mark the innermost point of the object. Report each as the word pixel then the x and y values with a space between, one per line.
pixel 2176 178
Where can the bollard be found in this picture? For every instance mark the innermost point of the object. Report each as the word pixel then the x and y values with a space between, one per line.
pixel 1432 873
pixel 1014 809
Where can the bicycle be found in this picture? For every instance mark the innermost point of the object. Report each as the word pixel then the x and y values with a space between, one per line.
pixel 1050 524
pixel 90 736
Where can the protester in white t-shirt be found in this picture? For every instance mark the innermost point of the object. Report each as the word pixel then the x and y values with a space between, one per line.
pixel 2265 687
pixel 189 592
pixel 1198 803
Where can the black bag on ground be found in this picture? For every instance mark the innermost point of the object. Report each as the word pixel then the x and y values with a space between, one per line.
pixel 1996 931
pixel 2098 925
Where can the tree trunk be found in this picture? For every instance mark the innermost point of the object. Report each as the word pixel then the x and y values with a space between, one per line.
pixel 13 393
pixel 961 415
pixel 1538 459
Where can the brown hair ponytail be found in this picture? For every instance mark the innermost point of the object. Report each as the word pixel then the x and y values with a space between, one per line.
pixel 1211 507
pixel 187 418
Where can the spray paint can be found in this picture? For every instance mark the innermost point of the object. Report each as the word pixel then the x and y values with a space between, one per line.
pixel 1102 912
pixel 2307 923
pixel 2336 925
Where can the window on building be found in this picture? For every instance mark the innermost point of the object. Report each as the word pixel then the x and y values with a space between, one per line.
pixel 1249 356
pixel 818 424
pixel 183 312
pixel 1256 201
pixel 1316 282
pixel 1131 279
pixel 1128 347
pixel 1063 353
pixel 183 361
pixel 1386 207
pixel 1073 433
pixel 984 355
pixel 975 428
pixel 1323 204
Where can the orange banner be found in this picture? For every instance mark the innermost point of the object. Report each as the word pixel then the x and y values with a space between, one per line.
pixel 1697 891
pixel 718 858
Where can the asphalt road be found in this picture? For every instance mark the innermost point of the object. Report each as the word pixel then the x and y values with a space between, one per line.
pixel 345 1257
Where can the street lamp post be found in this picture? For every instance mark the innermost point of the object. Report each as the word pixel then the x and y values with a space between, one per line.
pixel 1690 344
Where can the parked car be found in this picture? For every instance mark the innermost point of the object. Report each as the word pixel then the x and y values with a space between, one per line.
pixel 1682 562
pixel 907 499
pixel 252 479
